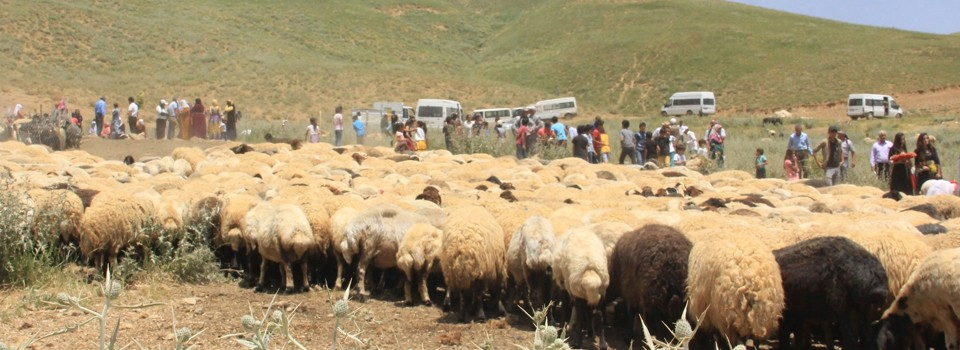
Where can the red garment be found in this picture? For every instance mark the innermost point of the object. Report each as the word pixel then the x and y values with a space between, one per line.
pixel 198 121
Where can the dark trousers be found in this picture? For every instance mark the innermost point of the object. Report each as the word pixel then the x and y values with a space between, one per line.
pixel 132 125
pixel 802 157
pixel 883 171
pixel 161 128
pixel 628 152
pixel 99 120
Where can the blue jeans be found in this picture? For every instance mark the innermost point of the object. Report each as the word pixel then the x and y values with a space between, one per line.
pixel 339 141
pixel 521 153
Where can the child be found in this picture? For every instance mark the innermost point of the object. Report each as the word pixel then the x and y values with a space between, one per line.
pixel 680 157
pixel 791 166
pixel 420 137
pixel 223 131
pixel 702 148
pixel 359 128
pixel 313 132
pixel 604 145
pixel 761 164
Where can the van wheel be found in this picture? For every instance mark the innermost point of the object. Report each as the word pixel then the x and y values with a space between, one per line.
pixel 700 114
pixel 899 115
pixel 689 112
pixel 854 117
pixel 869 115
pixel 663 113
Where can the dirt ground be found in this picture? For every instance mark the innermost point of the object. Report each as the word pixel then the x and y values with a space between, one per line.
pixel 217 310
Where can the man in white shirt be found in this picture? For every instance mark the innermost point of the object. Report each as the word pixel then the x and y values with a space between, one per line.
pixel 846 146
pixel 133 112
pixel 880 156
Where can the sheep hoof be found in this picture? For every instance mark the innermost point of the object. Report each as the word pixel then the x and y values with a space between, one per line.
pixel 427 302
pixel 408 303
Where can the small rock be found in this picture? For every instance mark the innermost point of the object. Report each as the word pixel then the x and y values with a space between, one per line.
pixel 198 310
pixel 25 325
pixel 190 301
pixel 451 338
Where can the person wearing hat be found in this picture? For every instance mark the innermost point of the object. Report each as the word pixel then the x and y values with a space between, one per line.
pixel 849 160
pixel 832 157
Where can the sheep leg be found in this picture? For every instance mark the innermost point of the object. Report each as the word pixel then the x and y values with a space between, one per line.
pixel 112 263
pixel 262 280
pixel 463 308
pixel 338 283
pixel 424 296
pixel 306 277
pixel 598 327
pixel 364 263
pixel 408 288
pixel 477 301
pixel 575 324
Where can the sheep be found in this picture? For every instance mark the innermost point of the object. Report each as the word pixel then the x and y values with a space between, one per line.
pixel 110 224
pixel 417 257
pixel 279 233
pixel 931 297
pixel 830 280
pixel 899 252
pixel 648 269
pixel 374 236
pixel 735 283
pixel 59 211
pixel 529 258
pixel 472 259
pixel 231 228
pixel 580 270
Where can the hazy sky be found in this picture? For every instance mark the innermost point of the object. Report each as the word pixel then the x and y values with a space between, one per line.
pixel 931 16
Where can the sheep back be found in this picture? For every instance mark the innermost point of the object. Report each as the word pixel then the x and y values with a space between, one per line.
pixel 737 282
pixel 531 247
pixel 580 265
pixel 420 249
pixel 932 294
pixel 648 269
pixel 472 249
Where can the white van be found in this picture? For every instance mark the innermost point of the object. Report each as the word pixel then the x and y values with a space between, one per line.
pixel 564 107
pixel 490 115
pixel 690 103
pixel 433 111
pixel 388 108
pixel 872 105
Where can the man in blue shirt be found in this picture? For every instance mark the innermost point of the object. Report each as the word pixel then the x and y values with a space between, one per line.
pixel 800 144
pixel 560 131
pixel 100 110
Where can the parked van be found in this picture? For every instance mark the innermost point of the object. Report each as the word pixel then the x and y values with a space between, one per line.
pixel 564 107
pixel 690 103
pixel 433 112
pixel 388 108
pixel 490 115
pixel 872 105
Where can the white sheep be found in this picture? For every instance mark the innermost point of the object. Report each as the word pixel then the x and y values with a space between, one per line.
pixel 373 237
pixel 418 257
pixel 110 223
pixel 930 297
pixel 580 269
pixel 472 258
pixel 529 260
pixel 281 234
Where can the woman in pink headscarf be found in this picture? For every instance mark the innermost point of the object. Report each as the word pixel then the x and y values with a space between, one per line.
pixel 198 120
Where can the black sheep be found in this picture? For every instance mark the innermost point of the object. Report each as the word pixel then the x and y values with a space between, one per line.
pixel 831 280
pixel 648 270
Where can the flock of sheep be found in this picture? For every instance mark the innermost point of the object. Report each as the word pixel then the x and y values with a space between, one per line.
pixel 748 259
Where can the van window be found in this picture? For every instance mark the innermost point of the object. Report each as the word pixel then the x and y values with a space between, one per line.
pixel 559 105
pixel 875 103
pixel 502 113
pixel 855 102
pixel 708 101
pixel 430 112
pixel 894 105
pixel 687 102
pixel 451 111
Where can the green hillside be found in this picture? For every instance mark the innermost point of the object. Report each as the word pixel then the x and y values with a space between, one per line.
pixel 292 58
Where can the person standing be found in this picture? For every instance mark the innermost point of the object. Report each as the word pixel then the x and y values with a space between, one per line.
pixel 900 166
pixel 172 109
pixel 628 143
pixel 927 162
pixel 230 111
pixel 832 157
pixel 560 131
pixel 116 123
pixel 580 145
pixel 313 132
pixel 846 146
pixel 359 128
pixel 338 126
pixel 761 164
pixel 213 127
pixel 790 166
pixel 604 145
pixel 641 137
pixel 880 157
pixel 198 119
pixel 183 118
pixel 99 111
pixel 522 138
pixel 799 142
pixel 715 141
pixel 133 112
pixel 162 120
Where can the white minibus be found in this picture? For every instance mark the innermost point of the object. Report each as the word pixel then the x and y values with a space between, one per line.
pixel 872 105
pixel 434 112
pixel 690 103
pixel 564 107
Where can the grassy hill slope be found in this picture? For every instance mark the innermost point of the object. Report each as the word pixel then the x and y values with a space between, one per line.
pixel 290 59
